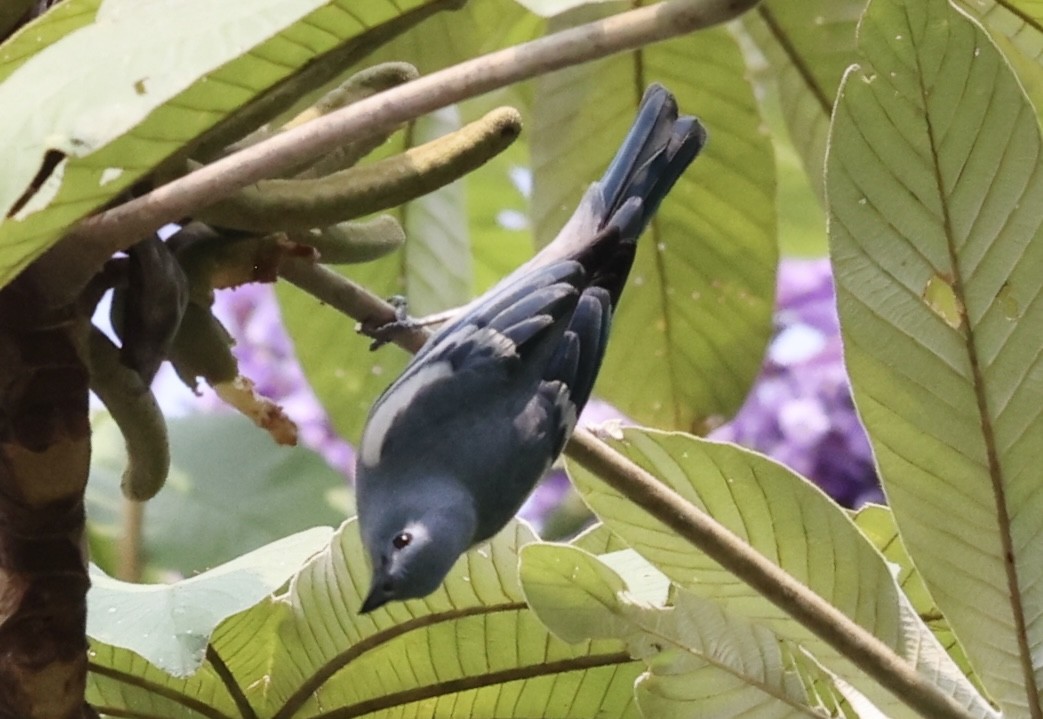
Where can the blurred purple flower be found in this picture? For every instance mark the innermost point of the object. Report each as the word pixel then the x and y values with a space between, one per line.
pixel 266 356
pixel 800 410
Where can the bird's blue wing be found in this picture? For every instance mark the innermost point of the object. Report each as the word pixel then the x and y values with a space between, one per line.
pixel 503 345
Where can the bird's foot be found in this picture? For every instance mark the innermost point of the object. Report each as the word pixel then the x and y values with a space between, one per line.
pixel 382 334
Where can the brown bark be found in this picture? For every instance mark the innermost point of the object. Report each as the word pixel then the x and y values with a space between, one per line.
pixel 44 458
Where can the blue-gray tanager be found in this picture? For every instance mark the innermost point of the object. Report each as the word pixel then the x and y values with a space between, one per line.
pixel 453 447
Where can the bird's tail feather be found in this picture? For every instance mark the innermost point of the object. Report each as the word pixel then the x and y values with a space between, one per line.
pixel 658 148
pixel 601 234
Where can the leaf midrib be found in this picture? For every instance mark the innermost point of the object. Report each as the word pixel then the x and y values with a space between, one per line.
pixel 478 681
pixel 795 58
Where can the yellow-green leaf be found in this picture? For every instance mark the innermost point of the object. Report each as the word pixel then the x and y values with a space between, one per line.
pixel 935 183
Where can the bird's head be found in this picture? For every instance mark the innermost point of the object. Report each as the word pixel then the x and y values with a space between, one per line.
pixel 412 552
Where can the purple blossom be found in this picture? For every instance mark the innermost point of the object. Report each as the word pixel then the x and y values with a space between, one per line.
pixel 266 356
pixel 800 410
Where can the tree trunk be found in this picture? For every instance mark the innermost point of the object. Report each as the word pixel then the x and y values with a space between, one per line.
pixel 44 458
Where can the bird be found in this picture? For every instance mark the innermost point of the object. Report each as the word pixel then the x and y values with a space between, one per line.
pixel 452 448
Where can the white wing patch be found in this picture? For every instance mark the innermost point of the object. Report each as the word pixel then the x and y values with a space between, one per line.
pixel 394 403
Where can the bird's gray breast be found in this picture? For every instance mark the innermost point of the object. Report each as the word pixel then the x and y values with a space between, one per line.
pixel 495 435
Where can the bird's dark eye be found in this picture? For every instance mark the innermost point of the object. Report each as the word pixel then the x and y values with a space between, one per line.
pixel 388 587
pixel 402 540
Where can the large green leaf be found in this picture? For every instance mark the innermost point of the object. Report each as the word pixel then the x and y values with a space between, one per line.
pixel 170 624
pixel 499 246
pixel 231 489
pixel 936 226
pixel 793 524
pixel 691 329
pixel 472 648
pixel 808 46
pixel 123 85
pixel 878 524
pixel 701 659
pixel 449 38
pixel 1016 26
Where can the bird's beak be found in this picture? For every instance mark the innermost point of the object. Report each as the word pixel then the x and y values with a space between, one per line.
pixel 374 600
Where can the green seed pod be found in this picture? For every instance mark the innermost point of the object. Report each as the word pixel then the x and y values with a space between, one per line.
pixel 202 348
pixel 354 242
pixel 296 205
pixel 359 86
pixel 135 411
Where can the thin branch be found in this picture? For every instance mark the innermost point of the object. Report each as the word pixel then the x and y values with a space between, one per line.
pixel 693 524
pixel 69 264
pixel 350 299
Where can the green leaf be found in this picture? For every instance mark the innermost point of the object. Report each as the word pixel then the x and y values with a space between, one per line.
pixel 45 30
pixel 119 682
pixel 878 524
pixel 499 249
pixel 934 179
pixel 1016 26
pixel 474 29
pixel 437 260
pixel 793 524
pixel 231 489
pixel 700 658
pixel 170 624
pixel 808 46
pixel 108 107
pixel 472 648
pixel 573 594
pixel 692 326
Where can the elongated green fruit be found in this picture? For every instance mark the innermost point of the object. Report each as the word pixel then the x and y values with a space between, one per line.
pixel 358 87
pixel 291 205
pixel 134 408
pixel 345 156
pixel 354 241
pixel 202 348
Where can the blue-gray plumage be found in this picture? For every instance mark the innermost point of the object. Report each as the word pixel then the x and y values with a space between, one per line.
pixel 453 447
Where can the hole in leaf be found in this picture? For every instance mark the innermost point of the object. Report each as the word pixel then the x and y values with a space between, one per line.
pixel 1008 303
pixel 941 298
